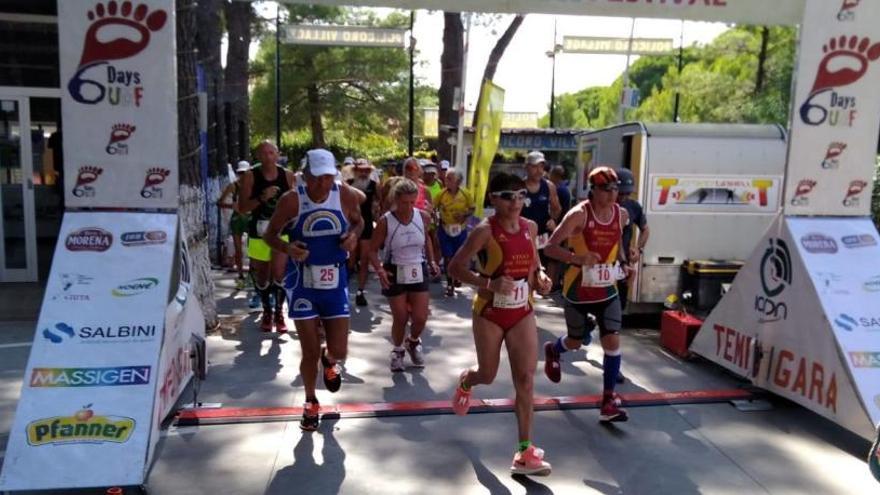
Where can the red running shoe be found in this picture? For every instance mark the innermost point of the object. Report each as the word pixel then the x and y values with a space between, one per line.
pixel 551 363
pixel 611 411
pixel 280 323
pixel 266 321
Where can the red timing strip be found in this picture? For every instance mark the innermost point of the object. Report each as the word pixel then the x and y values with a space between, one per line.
pixel 234 415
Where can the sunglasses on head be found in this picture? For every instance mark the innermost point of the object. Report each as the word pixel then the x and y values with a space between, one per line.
pixel 608 187
pixel 510 195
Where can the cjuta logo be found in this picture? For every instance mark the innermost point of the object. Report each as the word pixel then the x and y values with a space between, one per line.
pixel 154 177
pixel 84 179
pixel 847 10
pixel 775 272
pixel 855 188
pixel 845 62
pixel 117 31
pixel 119 134
pixel 89 239
pixel 835 149
pixel 804 188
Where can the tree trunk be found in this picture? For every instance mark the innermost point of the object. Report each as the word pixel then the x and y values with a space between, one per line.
pixel 192 198
pixel 762 59
pixel 314 98
pixel 450 77
pixel 497 53
pixel 209 35
pixel 239 16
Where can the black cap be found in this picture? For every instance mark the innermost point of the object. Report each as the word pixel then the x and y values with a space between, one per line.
pixel 625 181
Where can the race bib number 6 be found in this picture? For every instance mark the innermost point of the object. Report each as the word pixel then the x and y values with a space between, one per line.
pixel 322 276
pixel 516 299
pixel 409 274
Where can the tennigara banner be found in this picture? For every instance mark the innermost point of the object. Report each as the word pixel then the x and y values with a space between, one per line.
pixel 119 103
pixel 742 11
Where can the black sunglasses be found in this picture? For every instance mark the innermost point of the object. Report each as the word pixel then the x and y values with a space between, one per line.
pixel 510 195
pixel 608 187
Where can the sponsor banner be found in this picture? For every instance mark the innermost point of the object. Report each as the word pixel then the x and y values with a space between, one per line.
pixel 118 85
pixel 848 282
pixel 90 383
pixel 588 153
pixel 488 134
pixel 774 326
pixel 834 129
pixel 509 120
pixel 744 11
pixel 715 194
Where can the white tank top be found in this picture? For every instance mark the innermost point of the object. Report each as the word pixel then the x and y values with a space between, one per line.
pixel 405 243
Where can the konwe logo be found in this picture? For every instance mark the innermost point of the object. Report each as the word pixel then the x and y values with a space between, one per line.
pixel 847 11
pixel 85 178
pixel 802 192
pixel 835 149
pixel 155 176
pixel 119 134
pixel 852 193
pixel 775 273
pixel 117 31
pixel 846 60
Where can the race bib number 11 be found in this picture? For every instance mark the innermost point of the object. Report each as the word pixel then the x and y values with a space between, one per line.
pixel 516 299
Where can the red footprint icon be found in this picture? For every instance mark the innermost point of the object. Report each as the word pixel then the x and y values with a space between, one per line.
pixel 139 21
pixel 87 175
pixel 156 176
pixel 845 62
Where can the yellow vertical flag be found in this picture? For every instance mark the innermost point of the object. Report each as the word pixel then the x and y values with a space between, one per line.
pixel 487 135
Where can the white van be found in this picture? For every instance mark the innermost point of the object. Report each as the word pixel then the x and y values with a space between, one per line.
pixel 709 192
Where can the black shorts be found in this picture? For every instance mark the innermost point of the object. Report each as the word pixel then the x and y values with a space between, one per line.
pixel 399 289
pixel 607 313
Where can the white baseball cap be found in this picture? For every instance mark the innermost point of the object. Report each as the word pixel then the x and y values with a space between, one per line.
pixel 242 166
pixel 321 162
pixel 444 164
pixel 348 161
pixel 535 157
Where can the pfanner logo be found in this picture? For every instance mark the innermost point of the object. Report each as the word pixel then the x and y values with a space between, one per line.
pixel 852 193
pixel 775 277
pixel 819 243
pixel 119 134
pixel 858 240
pixel 845 61
pixel 802 192
pixel 143 238
pixel 90 377
pixel 832 155
pixel 85 178
pixel 848 10
pixel 865 359
pixel 135 287
pixel 81 427
pixel 155 176
pixel 116 31
pixel 89 239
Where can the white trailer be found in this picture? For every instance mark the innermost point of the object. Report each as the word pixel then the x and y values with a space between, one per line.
pixel 709 191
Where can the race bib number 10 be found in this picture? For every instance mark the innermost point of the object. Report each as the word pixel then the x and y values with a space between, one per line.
pixel 601 275
pixel 516 299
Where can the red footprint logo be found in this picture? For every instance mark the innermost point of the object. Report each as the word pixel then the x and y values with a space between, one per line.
pixel 845 62
pixel 87 175
pixel 156 176
pixel 121 132
pixel 835 149
pixel 855 188
pixel 139 21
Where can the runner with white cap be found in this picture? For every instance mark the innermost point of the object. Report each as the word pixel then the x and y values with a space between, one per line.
pixel 363 182
pixel 238 223
pixel 326 224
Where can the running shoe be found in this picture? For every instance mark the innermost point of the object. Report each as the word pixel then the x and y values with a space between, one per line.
pixel 414 349
pixel 450 290
pixel 461 401
pixel 874 456
pixel 280 323
pixel 266 321
pixel 530 462
pixel 611 411
pixel 332 373
pixel 254 301
pixel 311 416
pixel 551 362
pixel 360 299
pixel 397 360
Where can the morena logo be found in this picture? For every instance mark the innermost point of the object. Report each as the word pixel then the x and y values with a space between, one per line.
pixel 819 243
pixel 89 239
pixel 116 31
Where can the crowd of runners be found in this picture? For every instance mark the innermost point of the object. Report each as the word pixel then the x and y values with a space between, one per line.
pixel 308 231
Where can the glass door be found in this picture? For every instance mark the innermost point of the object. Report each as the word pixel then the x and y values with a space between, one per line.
pixel 18 253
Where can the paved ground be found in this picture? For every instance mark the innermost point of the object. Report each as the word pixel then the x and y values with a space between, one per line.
pixel 685 449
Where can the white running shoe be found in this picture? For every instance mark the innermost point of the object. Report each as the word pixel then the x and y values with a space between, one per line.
pixel 414 348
